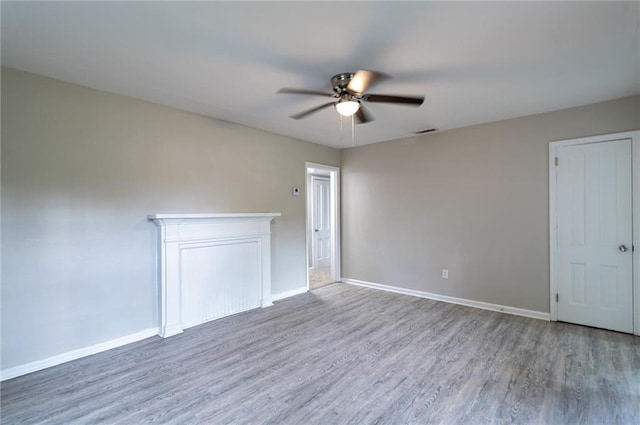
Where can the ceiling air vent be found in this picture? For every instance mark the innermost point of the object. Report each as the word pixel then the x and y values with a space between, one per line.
pixel 430 130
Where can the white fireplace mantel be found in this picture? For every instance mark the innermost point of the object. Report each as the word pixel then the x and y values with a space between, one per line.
pixel 211 265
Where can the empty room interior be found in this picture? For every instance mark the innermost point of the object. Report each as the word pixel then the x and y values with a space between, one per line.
pixel 320 212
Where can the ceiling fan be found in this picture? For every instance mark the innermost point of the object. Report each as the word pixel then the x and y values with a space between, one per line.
pixel 349 91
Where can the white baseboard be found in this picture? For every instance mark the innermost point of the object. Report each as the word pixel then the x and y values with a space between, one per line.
pixel 26 368
pixel 287 294
pixel 541 315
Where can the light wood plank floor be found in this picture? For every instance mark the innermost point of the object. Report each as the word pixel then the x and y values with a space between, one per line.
pixel 347 355
pixel 320 277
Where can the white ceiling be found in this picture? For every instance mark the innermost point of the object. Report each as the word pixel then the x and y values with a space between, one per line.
pixel 474 62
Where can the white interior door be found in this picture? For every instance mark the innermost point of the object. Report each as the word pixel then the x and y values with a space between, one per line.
pixel 594 235
pixel 321 223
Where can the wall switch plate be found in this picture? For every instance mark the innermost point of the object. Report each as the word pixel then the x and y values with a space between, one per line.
pixel 295 191
pixel 445 274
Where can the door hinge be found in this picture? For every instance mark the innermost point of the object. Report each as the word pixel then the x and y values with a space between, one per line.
pixel 556 161
pixel 557 297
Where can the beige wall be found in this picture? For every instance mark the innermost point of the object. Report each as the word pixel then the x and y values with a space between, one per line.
pixel 81 169
pixel 472 200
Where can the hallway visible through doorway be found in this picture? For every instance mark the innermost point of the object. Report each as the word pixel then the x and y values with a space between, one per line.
pixel 319 277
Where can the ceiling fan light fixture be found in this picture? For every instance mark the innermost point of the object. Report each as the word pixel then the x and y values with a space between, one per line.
pixel 347 108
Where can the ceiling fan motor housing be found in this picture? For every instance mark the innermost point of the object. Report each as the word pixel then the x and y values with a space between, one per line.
pixel 339 82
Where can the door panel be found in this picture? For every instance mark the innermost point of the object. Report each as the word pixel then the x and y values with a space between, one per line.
pixel 594 217
pixel 321 223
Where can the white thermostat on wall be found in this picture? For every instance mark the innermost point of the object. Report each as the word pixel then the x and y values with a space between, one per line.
pixel 296 191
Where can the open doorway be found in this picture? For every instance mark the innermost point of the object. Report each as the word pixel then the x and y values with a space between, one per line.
pixel 323 225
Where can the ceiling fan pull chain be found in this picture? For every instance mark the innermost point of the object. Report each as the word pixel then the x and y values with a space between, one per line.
pixel 340 129
pixel 353 131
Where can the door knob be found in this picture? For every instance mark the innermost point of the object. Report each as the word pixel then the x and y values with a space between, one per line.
pixel 315 230
pixel 622 248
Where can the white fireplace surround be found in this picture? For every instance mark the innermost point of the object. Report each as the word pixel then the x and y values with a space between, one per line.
pixel 211 265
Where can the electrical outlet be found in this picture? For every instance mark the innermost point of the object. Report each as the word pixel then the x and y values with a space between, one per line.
pixel 445 274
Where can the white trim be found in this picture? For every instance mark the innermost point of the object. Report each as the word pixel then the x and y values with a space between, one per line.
pixel 334 173
pixel 533 314
pixel 635 182
pixel 553 228
pixel 26 368
pixel 635 172
pixel 209 215
pixel 287 294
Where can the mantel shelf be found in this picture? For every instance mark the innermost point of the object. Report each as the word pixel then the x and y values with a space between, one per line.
pixel 211 215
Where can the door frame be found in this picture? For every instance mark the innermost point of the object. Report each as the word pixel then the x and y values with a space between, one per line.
pixel 635 202
pixel 334 212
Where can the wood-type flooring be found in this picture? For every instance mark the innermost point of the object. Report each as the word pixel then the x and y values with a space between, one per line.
pixel 343 354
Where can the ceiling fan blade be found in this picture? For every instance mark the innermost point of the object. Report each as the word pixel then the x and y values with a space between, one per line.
pixel 364 79
pixel 311 111
pixel 405 100
pixel 363 117
pixel 303 91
